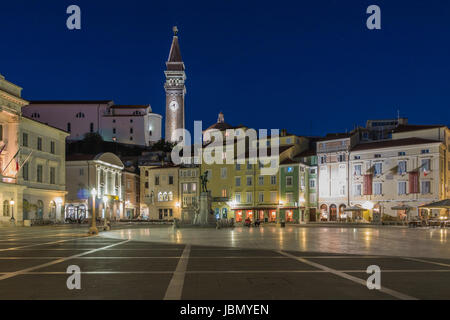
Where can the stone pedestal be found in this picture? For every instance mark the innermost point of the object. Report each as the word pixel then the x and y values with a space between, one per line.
pixel 204 215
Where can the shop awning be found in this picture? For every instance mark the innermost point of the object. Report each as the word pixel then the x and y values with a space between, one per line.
pixel 255 208
pixel 443 204
pixel 354 208
pixel 402 207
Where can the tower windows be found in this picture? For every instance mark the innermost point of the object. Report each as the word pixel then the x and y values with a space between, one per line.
pixel 91 127
pixel 79 115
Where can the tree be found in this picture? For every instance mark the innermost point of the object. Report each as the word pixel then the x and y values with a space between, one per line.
pixel 163 145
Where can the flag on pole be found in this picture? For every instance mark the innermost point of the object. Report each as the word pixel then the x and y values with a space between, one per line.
pixel 13 158
pixel 24 161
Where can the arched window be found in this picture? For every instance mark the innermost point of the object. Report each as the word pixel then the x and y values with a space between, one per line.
pixel 69 127
pixel 52 211
pixel 6 208
pixel 170 196
pixel 35 115
pixel 91 127
pixel 165 196
pixel 160 196
pixel 40 209
pixel 79 115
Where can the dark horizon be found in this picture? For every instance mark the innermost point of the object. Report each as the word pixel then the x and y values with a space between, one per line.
pixel 320 69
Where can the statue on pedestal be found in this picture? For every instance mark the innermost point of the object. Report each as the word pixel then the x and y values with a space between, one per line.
pixel 204 181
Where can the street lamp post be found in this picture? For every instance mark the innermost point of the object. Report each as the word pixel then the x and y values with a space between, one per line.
pixel 93 229
pixel 105 224
pixel 12 211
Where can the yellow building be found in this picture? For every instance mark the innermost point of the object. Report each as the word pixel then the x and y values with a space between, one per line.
pixel 32 162
pixel 241 190
pixel 160 194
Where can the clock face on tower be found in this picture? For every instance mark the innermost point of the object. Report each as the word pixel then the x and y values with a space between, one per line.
pixel 173 105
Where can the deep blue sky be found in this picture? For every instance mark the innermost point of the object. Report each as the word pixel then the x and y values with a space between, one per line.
pixel 309 66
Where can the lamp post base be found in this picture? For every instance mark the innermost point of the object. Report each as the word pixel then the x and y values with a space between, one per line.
pixel 93 230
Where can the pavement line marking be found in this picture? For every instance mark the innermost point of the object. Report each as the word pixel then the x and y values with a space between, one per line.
pixel 341 274
pixel 426 261
pixel 175 288
pixel 16 273
pixel 37 244
pixel 220 272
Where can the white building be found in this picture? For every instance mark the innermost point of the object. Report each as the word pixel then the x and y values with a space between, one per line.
pixel 394 177
pixel 102 172
pixel 32 163
pixel 130 124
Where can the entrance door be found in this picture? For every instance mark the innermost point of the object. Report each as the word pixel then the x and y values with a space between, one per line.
pixel 312 214
pixel 333 213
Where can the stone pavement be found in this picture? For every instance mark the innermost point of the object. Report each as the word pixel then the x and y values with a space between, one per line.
pixel 33 264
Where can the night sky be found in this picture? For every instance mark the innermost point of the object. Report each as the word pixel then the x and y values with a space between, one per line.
pixel 311 67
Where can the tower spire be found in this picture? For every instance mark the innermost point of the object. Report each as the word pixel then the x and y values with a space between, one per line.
pixel 175 90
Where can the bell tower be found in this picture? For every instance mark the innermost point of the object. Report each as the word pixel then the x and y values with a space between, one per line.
pixel 175 90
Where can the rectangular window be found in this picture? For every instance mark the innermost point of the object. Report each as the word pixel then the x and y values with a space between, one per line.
pixel 378 168
pixel 249 166
pixel 341 157
pixel 261 180
pixel 312 171
pixel 273 196
pixel 39 144
pixel 312 183
pixel 193 187
pixel 25 139
pixel 237 197
pixel 25 171
pixel 357 170
pixel 289 181
pixel 401 187
pixel 170 179
pixel 185 187
pixel 52 147
pixel 146 184
pixel 52 175
pixel 402 153
pixel 289 197
pixel 238 181
pixel 357 189
pixel 426 187
pixel 424 151
pixel 273 180
pixel 39 173
pixel 377 188
pixel 426 165
pixel 402 167
pixel 261 197
pixel 249 181
pixel 224 193
pixel 238 167
pixel 156 180
pixel 248 196
pixel 223 173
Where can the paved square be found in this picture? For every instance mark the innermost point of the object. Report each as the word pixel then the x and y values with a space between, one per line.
pixel 34 261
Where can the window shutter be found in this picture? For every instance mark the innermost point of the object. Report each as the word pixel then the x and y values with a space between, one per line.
pixel 414 182
pixel 367 184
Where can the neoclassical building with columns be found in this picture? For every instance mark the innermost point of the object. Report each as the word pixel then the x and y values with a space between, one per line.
pixel 32 163
pixel 102 172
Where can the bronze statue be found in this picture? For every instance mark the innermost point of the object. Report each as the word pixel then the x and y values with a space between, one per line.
pixel 204 181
